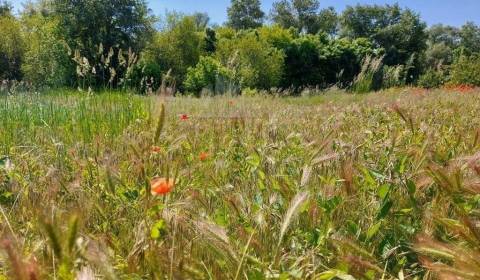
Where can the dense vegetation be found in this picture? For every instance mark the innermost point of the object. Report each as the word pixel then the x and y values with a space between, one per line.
pixel 118 185
pixel 297 46
pixel 341 186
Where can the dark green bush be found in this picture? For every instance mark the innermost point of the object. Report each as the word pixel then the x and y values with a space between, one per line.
pixel 209 75
pixel 466 71
pixel 431 79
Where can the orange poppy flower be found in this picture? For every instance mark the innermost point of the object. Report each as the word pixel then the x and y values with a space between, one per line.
pixel 161 186
pixel 203 156
pixel 184 117
pixel 156 149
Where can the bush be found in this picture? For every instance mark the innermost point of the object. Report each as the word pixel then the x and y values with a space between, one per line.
pixel 431 79
pixel 252 60
pixel 11 48
pixel 466 71
pixel 367 80
pixel 146 77
pixel 46 61
pixel 209 75
pixel 176 48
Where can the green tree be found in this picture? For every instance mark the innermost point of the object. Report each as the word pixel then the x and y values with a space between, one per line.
pixel 176 47
pixel 209 75
pixel 328 21
pixel 245 14
pixel 470 34
pixel 46 61
pixel 466 70
pixel 95 27
pixel 300 14
pixel 253 61
pixel 210 40
pixel 448 35
pixel 398 33
pixel 5 8
pixel 11 47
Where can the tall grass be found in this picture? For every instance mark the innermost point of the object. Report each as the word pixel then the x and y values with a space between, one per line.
pixel 382 186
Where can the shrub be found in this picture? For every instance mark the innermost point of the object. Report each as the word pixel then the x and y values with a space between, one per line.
pixel 366 81
pixel 46 61
pixel 209 75
pixel 431 79
pixel 466 71
pixel 254 61
pixel 11 48
pixel 176 48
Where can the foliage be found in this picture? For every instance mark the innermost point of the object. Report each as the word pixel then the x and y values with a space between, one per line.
pixel 305 16
pixel 252 59
pixel 11 47
pixel 367 79
pixel 245 14
pixel 316 60
pixel 432 78
pixel 306 47
pixel 178 47
pixel 400 33
pixel 470 35
pixel 209 75
pixel 466 71
pixel 122 25
pixel 259 193
pixel 46 60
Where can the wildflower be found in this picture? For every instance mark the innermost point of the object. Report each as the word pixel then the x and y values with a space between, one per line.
pixel 161 186
pixel 203 156
pixel 184 117
pixel 156 149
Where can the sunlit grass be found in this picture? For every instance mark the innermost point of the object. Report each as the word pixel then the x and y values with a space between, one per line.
pixel 337 185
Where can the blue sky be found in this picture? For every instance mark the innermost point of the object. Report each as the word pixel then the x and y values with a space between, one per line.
pixel 453 12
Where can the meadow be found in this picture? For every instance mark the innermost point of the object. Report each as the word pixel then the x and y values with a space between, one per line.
pixel 337 186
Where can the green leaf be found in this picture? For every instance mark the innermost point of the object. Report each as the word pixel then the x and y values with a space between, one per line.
pixel 383 191
pixel 254 160
pixel 387 205
pixel 372 231
pixel 412 188
pixel 158 230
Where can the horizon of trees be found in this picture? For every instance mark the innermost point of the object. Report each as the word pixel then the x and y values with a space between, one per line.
pixel 298 44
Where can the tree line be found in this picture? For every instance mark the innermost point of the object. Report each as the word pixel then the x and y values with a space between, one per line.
pixel 298 45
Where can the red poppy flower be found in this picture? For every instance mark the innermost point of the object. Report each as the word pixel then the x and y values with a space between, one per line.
pixel 161 186
pixel 203 156
pixel 184 117
pixel 156 149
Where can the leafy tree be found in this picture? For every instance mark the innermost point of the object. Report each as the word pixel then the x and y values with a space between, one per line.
pixel 5 8
pixel 470 34
pixel 399 33
pixel 328 21
pixel 448 35
pixel 466 71
pixel 209 75
pixel 95 27
pixel 438 54
pixel 300 14
pixel 315 60
pixel 252 60
pixel 210 40
pixel 201 20
pixel 177 47
pixel 11 47
pixel 245 14
pixel 46 59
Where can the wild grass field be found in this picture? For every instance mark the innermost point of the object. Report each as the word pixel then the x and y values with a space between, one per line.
pixel 339 186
